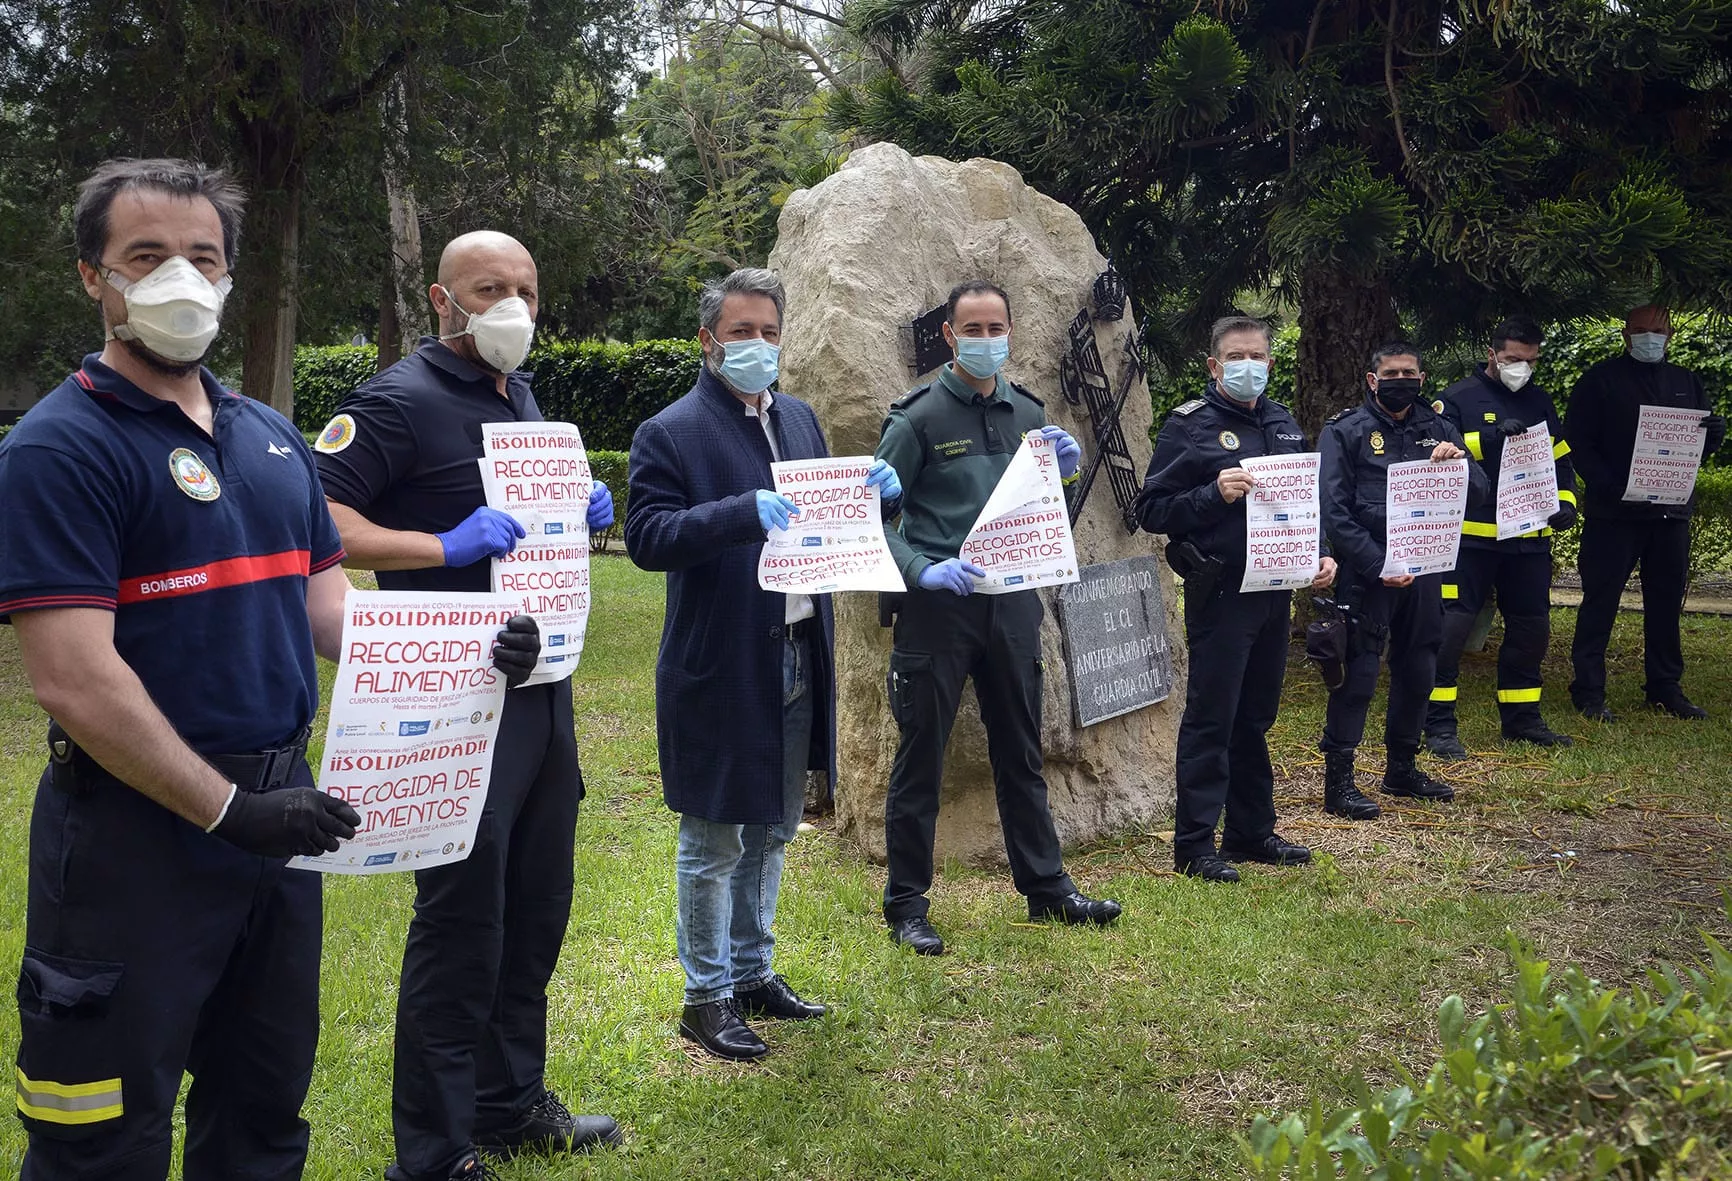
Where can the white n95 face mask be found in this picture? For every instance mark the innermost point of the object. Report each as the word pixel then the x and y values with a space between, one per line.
pixel 1515 374
pixel 174 311
pixel 502 333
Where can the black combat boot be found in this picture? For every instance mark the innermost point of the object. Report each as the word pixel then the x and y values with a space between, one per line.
pixel 1403 778
pixel 1341 796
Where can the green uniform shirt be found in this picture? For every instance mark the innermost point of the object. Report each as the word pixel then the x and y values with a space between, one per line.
pixel 949 446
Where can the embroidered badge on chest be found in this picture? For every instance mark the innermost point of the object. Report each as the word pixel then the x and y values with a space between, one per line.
pixel 1229 441
pixel 191 475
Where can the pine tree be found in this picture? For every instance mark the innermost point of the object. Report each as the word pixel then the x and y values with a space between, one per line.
pixel 1438 163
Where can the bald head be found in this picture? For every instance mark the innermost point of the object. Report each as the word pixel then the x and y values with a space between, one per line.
pixel 480 248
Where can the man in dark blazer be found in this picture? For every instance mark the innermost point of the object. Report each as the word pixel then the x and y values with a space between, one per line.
pixel 745 688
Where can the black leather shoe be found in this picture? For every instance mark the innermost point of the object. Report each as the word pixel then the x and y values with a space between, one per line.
pixel 1404 779
pixel 773 998
pixel 1446 745
pixel 918 934
pixel 719 1028
pixel 549 1127
pixel 1076 909
pixel 1272 851
pixel 1210 868
pixel 1538 733
pixel 473 1167
pixel 1597 711
pixel 1679 706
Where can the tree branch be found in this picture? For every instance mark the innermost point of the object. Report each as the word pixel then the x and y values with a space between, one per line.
pixel 1395 102
pixel 348 100
pixel 797 44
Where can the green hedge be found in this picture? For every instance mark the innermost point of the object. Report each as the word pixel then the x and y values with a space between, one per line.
pixel 1710 528
pixel 610 468
pixel 605 388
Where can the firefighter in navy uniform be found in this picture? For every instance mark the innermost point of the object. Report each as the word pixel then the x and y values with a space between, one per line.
pixel 1404 612
pixel 1620 535
pixel 1194 495
pixel 1497 401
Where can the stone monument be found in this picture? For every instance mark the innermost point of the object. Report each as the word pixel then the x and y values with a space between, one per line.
pixel 863 254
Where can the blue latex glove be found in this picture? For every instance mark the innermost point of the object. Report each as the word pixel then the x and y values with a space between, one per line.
pixel 485 533
pixel 1067 449
pixel 775 510
pixel 883 475
pixel 600 506
pixel 953 575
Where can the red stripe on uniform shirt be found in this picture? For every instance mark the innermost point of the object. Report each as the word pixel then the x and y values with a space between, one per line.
pixel 195 580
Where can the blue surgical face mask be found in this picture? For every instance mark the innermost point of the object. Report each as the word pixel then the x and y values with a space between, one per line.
pixel 982 355
pixel 1648 347
pixel 750 366
pixel 1244 381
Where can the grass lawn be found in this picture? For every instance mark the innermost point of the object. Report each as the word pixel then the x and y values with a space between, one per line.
pixel 1033 1052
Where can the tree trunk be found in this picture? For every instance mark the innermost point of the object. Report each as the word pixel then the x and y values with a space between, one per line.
pixel 389 340
pixel 274 233
pixel 1342 318
pixel 408 303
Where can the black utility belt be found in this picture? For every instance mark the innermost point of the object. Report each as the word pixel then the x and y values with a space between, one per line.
pixel 263 770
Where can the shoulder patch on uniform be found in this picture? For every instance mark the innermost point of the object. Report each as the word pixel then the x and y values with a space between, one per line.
pixel 1340 414
pixel 1437 406
pixel 906 399
pixel 1188 407
pixel 338 434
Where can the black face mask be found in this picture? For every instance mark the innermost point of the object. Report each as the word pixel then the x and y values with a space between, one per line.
pixel 1397 393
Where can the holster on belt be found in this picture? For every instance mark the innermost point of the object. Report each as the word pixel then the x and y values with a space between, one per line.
pixel 1200 571
pixel 1328 639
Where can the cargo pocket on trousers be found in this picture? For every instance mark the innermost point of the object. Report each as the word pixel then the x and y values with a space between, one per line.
pixel 69 1049
pixel 908 674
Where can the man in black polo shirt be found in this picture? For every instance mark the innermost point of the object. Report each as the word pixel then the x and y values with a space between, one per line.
pixel 399 466
pixel 168 564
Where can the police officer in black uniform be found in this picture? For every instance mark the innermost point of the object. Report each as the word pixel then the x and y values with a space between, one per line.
pixel 1498 401
pixel 1393 425
pixel 400 467
pixel 1620 535
pixel 950 442
pixel 1194 494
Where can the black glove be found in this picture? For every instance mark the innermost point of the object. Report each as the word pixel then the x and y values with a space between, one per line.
pixel 1510 427
pixel 1564 518
pixel 516 649
pixel 1715 425
pixel 290 822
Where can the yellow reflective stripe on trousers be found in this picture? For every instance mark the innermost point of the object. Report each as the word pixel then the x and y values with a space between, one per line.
pixel 1560 449
pixel 69 1103
pixel 1566 495
pixel 1443 693
pixel 1451 590
pixel 1517 696
pixel 1472 441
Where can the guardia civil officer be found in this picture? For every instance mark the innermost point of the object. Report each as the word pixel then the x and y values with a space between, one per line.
pixel 1620 535
pixel 1194 494
pixel 400 467
pixel 169 567
pixel 949 443
pixel 1393 425
pixel 1498 401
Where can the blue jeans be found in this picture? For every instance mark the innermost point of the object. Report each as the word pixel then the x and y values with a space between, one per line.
pixel 730 874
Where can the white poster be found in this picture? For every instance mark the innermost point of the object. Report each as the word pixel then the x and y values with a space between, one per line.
pixel 1527 482
pixel 1668 455
pixel 414 717
pixel 1283 522
pixel 1022 537
pixel 836 541
pixel 539 473
pixel 1425 504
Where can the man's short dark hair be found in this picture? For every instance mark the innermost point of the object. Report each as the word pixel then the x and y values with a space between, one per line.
pixel 183 178
pixel 1395 348
pixel 1235 323
pixel 1521 329
pixel 973 287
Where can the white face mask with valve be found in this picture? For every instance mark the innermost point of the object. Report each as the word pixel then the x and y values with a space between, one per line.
pixel 502 333
pixel 174 311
